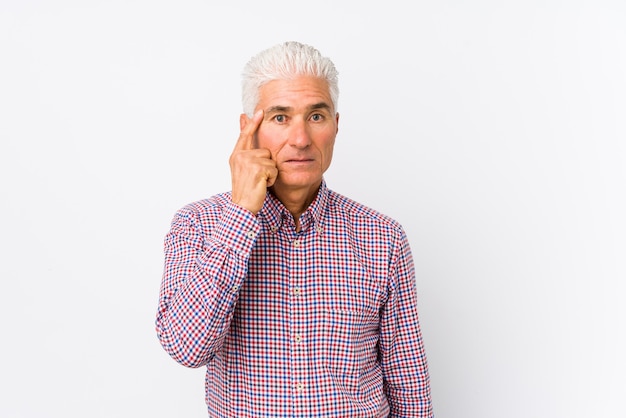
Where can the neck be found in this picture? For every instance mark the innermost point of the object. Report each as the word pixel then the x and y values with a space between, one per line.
pixel 296 200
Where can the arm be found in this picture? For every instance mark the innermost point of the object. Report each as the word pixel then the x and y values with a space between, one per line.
pixel 202 276
pixel 205 270
pixel 403 358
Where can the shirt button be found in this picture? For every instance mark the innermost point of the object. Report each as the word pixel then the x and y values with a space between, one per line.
pixel 298 338
pixel 251 234
pixel 296 243
pixel 296 291
pixel 235 288
pixel 319 229
pixel 274 229
pixel 299 387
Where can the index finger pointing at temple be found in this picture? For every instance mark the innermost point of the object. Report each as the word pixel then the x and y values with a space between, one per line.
pixel 246 135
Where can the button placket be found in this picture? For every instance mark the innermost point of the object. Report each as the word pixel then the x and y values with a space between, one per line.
pixel 298 319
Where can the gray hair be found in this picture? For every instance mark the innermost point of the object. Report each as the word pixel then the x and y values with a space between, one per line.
pixel 283 62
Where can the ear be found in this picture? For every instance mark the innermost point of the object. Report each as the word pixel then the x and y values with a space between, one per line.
pixel 337 121
pixel 243 120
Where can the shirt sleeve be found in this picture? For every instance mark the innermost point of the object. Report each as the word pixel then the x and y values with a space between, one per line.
pixel 403 359
pixel 205 266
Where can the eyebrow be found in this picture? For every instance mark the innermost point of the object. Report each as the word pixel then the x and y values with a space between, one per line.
pixel 320 105
pixel 278 109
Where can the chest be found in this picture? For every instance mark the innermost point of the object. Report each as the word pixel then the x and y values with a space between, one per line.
pixel 318 270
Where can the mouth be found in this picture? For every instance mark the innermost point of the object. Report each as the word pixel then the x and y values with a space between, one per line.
pixel 299 160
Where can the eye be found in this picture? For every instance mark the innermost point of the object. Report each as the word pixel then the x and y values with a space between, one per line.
pixel 280 118
pixel 317 117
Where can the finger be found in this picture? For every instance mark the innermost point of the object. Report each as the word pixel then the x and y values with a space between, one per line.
pixel 246 136
pixel 272 174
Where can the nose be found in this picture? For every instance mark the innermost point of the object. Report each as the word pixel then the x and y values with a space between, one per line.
pixel 299 137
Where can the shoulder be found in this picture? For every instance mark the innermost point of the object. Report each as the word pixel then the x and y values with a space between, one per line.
pixel 357 214
pixel 204 210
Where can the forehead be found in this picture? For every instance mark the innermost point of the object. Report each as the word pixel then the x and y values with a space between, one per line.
pixel 300 92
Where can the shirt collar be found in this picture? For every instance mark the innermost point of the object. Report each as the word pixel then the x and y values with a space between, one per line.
pixel 274 214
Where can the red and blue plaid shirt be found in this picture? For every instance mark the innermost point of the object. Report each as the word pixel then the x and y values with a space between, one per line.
pixel 317 323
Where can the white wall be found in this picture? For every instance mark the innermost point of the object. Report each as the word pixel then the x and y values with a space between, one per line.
pixel 495 132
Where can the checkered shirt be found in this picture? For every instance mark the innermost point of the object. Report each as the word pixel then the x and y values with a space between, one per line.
pixel 317 323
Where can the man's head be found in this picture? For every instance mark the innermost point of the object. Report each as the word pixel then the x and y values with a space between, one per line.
pixel 286 61
pixel 296 90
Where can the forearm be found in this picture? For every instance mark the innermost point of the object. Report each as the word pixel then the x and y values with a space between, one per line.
pixel 405 368
pixel 192 324
pixel 407 380
pixel 413 401
pixel 200 287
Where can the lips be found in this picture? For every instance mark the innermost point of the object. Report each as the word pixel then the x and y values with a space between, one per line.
pixel 299 160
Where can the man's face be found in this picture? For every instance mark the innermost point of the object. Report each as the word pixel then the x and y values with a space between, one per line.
pixel 299 128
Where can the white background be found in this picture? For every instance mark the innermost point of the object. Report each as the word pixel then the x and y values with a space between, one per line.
pixel 494 131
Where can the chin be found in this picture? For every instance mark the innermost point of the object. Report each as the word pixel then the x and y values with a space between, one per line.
pixel 299 181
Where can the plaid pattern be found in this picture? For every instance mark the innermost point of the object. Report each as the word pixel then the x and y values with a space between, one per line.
pixel 320 323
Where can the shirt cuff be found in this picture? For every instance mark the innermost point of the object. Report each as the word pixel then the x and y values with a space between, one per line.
pixel 238 229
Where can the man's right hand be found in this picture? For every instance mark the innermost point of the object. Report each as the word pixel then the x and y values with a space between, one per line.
pixel 252 169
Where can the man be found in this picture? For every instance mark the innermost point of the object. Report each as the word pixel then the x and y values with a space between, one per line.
pixel 298 300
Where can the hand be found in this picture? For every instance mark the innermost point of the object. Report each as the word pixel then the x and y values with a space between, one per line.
pixel 252 169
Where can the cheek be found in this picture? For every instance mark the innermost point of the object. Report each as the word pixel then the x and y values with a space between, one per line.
pixel 328 152
pixel 265 138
